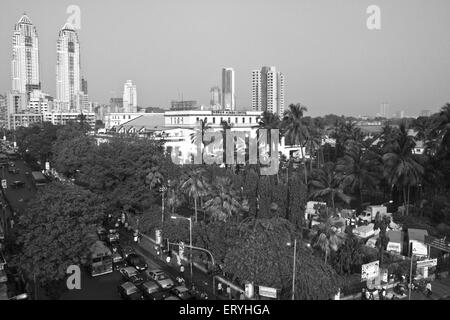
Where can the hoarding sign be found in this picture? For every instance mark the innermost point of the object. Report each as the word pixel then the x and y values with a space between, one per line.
pixel 4 184
pixel 181 249
pixel 440 244
pixel 370 270
pixel 267 292
pixel 158 236
pixel 249 290
pixel 427 263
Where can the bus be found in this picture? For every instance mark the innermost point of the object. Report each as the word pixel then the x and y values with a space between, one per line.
pixel 101 261
pixel 38 179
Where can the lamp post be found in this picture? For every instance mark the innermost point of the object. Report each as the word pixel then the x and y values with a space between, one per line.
pixel 294 267
pixel 190 237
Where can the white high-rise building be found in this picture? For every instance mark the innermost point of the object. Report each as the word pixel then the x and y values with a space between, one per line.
pixel 228 93
pixel 68 70
pixel 268 90
pixel 25 57
pixel 129 97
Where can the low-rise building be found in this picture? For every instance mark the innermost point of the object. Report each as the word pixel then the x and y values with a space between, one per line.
pixel 62 118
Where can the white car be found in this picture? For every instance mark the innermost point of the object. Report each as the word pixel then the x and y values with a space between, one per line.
pixel 161 278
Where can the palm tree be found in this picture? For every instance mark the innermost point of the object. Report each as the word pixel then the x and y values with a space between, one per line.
pixel 324 245
pixel 359 169
pixel 195 186
pixel 443 127
pixel 173 197
pixel 295 128
pixel 199 133
pixel 325 184
pixel 402 168
pixel 225 201
pixel 154 178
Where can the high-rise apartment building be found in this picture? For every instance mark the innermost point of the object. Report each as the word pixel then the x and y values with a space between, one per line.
pixel 25 57
pixel 129 97
pixel 84 85
pixel 228 93
pixel 216 97
pixel 268 90
pixel 68 79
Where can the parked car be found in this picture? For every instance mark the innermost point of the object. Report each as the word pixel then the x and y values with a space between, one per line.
pixel 129 291
pixel 128 272
pixel 152 291
pixel 11 164
pixel 118 261
pixel 127 251
pixel 137 261
pixel 13 170
pixel 183 293
pixel 161 278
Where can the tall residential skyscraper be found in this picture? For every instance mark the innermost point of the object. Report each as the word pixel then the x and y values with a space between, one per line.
pixel 268 90
pixel 216 97
pixel 25 57
pixel 129 97
pixel 228 93
pixel 68 79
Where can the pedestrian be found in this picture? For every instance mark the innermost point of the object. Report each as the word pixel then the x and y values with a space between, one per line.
pixel 229 291
pixel 242 297
pixel 363 294
pixel 219 288
pixel 428 288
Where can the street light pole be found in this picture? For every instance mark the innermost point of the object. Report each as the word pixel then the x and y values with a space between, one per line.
pixel 293 271
pixel 190 243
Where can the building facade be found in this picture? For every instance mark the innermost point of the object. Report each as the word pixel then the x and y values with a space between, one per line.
pixel 68 70
pixel 62 118
pixel 268 90
pixel 25 57
pixel 40 102
pixel 129 97
pixel 117 119
pixel 216 97
pixel 183 105
pixel 228 90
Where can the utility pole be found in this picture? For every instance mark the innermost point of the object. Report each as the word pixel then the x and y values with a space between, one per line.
pixel 410 270
pixel 293 271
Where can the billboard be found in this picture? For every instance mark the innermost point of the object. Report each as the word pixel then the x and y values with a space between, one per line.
pixel 370 270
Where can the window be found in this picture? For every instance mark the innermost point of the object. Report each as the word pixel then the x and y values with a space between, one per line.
pixel 243 120
pixel 236 120
pixel 214 119
pixel 250 120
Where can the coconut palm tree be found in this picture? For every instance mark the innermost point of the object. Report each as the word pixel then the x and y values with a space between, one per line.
pixel 199 132
pixel 195 186
pixel 326 184
pixel 324 245
pixel 359 169
pixel 225 201
pixel 402 168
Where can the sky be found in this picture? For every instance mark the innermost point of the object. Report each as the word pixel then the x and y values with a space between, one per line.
pixel 331 61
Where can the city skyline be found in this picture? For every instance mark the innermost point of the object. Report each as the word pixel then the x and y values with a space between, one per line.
pixel 345 70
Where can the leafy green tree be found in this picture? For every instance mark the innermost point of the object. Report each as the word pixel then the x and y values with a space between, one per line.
pixel 56 231
pixel 261 256
pixel 349 257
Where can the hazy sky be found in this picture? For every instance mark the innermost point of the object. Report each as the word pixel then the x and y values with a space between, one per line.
pixel 332 63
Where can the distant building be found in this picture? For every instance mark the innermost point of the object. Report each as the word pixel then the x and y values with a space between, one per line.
pixel 62 118
pixel 114 120
pixel 384 110
pixel 17 102
pixel 129 97
pixel 40 102
pixel 116 105
pixel 228 90
pixel 25 57
pixel 17 120
pixel 183 105
pixel 425 113
pixel 3 111
pixel 268 90
pixel 68 71
pixel 216 97
pixel 84 85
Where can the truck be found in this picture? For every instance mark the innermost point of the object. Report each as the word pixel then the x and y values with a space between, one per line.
pixel 38 178
pixel 100 259
pixel 369 214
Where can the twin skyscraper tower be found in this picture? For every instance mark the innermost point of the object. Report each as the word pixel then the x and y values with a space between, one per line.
pixel 25 65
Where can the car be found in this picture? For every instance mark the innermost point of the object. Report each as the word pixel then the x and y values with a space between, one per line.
pixel 127 250
pixel 183 293
pixel 112 237
pixel 161 278
pixel 137 261
pixel 128 272
pixel 11 164
pixel 152 291
pixel 129 291
pixel 118 261
pixel 17 184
